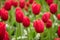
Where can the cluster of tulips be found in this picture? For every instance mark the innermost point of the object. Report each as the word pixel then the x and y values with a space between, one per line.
pixel 39 24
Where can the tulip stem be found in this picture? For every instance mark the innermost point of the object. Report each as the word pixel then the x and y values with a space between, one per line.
pixel 35 17
pixel 28 34
pixel 20 31
pixel 49 34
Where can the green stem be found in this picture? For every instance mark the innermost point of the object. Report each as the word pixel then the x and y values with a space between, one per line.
pixel 28 34
pixel 41 38
pixel 50 34
pixel 18 31
pixel 35 17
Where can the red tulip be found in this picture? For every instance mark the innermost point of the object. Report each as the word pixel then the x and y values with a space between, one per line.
pixel 36 8
pixel 39 26
pixel 6 36
pixel 58 16
pixel 53 8
pixel 18 9
pixel 58 31
pixel 22 3
pixel 27 4
pixel 2 30
pixel 19 15
pixel 56 38
pixel 31 1
pixel 49 2
pixel 4 14
pixel 15 3
pixel 0 12
pixel 26 21
pixel 7 5
pixel 46 17
pixel 49 24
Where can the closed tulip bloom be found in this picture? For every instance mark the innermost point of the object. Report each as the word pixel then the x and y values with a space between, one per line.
pixel 49 24
pixel 22 3
pixel 6 36
pixel 14 3
pixel 49 2
pixel 19 15
pixel 26 21
pixel 7 5
pixel 38 26
pixel 58 16
pixel 4 14
pixel 53 8
pixel 2 30
pixel 46 16
pixel 36 8
pixel 31 1
pixel 58 32
pixel 27 4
